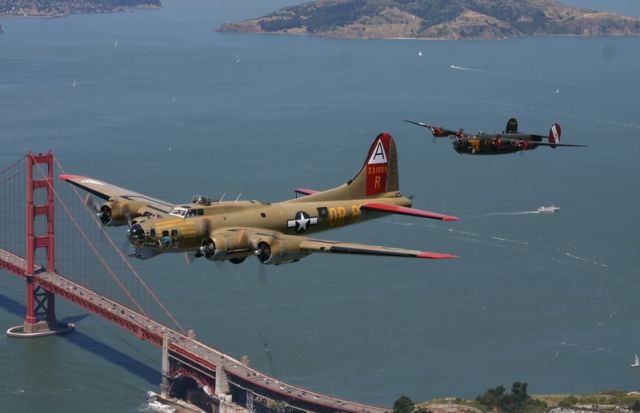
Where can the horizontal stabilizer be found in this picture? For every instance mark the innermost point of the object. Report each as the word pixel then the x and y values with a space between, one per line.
pixel 395 209
pixel 312 245
pixel 305 191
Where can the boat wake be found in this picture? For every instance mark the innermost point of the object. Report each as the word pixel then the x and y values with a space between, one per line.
pixel 510 213
pixel 575 257
pixel 514 241
pixel 468 69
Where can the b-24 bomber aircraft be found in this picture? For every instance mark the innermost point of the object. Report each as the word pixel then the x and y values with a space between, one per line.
pixel 274 232
pixel 509 141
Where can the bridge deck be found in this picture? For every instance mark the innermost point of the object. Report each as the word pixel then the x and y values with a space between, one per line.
pixel 189 348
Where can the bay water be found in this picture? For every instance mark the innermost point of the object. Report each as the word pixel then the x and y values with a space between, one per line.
pixel 158 102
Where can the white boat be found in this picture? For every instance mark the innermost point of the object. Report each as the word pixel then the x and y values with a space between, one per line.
pixel 548 209
pixel 636 362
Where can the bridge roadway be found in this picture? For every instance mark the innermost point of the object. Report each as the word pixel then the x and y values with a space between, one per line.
pixel 184 346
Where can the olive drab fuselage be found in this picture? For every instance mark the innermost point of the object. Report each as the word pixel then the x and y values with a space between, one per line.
pixel 495 144
pixel 177 234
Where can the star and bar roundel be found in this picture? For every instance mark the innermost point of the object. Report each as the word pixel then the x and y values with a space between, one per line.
pixel 302 221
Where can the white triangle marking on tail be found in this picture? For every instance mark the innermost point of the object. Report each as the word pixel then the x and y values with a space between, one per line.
pixel 379 155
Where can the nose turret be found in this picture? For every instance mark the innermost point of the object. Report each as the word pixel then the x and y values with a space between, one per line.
pixel 136 235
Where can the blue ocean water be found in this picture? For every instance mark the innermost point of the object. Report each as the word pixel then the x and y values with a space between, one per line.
pixel 164 105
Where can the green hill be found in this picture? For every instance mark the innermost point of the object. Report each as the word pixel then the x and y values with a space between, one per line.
pixel 437 19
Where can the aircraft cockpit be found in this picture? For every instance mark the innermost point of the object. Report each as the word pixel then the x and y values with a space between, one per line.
pixel 186 212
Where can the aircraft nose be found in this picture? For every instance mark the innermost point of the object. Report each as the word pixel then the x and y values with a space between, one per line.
pixel 136 234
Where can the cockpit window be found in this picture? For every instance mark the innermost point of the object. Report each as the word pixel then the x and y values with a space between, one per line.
pixel 179 212
pixel 195 212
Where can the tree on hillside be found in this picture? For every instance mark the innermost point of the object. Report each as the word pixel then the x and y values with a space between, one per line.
pixel 403 405
pixel 518 401
pixel 492 397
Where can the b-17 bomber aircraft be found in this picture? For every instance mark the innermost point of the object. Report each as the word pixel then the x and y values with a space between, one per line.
pixel 510 141
pixel 274 232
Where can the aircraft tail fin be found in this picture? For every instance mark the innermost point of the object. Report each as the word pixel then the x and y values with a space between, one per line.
pixel 512 126
pixel 377 177
pixel 554 134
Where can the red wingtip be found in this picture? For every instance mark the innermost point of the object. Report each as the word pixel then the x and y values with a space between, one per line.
pixel 67 177
pixel 435 255
pixel 395 209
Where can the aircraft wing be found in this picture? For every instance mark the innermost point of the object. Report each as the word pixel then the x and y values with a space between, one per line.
pixel 437 131
pixel 274 247
pixel 142 204
pixel 424 125
pixel 553 145
pixel 335 247
pixel 395 209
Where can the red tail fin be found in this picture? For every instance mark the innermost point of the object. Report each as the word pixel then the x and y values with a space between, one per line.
pixel 554 134
pixel 378 165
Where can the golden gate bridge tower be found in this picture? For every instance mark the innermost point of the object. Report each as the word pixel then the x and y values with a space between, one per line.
pixel 40 319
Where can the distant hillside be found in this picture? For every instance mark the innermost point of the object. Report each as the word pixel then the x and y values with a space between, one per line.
pixel 437 19
pixel 66 7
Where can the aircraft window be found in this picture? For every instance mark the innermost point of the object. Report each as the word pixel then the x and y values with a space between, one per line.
pixel 174 232
pixel 165 233
pixel 179 212
pixel 195 213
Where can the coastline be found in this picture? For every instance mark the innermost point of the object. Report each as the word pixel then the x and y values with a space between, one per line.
pixel 79 10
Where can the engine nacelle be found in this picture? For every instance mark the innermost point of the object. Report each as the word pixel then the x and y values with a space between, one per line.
pixel 116 213
pixel 112 215
pixel 280 251
pixel 225 245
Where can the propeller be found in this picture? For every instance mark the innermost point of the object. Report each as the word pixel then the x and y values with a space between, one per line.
pixel 103 215
pixel 262 252
pixel 89 202
pixel 219 266
pixel 262 273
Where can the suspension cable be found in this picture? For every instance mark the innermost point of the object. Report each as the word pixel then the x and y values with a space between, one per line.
pixel 123 257
pixel 92 246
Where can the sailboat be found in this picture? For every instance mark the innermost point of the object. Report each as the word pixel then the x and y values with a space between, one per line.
pixel 636 362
